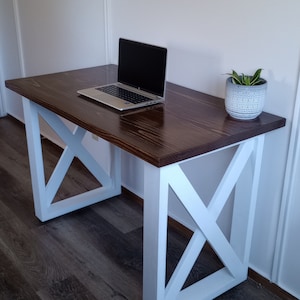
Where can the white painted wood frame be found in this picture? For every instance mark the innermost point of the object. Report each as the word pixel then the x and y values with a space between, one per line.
pixel 286 266
pixel 44 193
pixel 234 253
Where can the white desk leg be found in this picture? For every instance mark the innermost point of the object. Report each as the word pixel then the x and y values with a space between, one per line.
pixel 244 206
pixel 35 156
pixel 155 232
pixel 234 253
pixel 43 193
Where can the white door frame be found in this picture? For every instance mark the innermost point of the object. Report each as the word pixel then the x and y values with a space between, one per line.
pixel 291 186
pixel 2 104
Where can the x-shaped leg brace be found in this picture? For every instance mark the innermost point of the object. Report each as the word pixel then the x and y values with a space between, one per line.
pixel 233 252
pixel 43 193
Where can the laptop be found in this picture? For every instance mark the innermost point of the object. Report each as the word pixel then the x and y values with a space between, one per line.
pixel 141 77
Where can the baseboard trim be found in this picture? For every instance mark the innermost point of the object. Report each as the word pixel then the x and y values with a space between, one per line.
pixel 275 289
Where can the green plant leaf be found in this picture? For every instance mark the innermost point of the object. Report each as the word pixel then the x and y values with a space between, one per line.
pixel 243 79
pixel 235 77
pixel 246 79
pixel 256 77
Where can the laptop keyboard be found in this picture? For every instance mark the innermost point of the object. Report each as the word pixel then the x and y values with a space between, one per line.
pixel 123 94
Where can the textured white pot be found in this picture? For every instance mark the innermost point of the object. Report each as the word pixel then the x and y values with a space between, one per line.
pixel 244 102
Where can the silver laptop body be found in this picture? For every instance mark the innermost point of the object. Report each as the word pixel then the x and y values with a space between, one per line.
pixel 141 77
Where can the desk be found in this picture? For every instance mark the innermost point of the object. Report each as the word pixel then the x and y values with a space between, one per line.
pixel 188 126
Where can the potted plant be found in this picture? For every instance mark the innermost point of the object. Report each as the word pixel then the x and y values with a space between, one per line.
pixel 245 95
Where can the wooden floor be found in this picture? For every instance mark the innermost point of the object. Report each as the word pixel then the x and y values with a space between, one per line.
pixel 94 253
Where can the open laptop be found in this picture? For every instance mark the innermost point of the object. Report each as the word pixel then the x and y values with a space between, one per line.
pixel 141 77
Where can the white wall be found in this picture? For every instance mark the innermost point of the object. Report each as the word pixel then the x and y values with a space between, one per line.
pixel 42 36
pixel 206 39
pixel 58 35
pixel 55 36
pixel 9 58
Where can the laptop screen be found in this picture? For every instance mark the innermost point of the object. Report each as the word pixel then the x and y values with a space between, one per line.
pixel 142 66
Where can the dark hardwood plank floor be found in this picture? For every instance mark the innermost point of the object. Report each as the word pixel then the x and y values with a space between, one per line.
pixel 94 253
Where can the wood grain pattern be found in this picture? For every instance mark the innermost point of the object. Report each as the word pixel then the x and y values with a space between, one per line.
pixel 189 123
pixel 93 253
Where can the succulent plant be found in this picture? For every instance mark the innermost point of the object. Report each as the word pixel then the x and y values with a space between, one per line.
pixel 248 80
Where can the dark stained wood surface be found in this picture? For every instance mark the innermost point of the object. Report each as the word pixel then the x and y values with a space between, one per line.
pixel 93 253
pixel 189 123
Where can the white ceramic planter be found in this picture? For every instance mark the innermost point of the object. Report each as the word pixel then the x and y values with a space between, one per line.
pixel 244 102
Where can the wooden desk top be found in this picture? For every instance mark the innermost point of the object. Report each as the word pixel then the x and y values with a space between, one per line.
pixel 189 123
